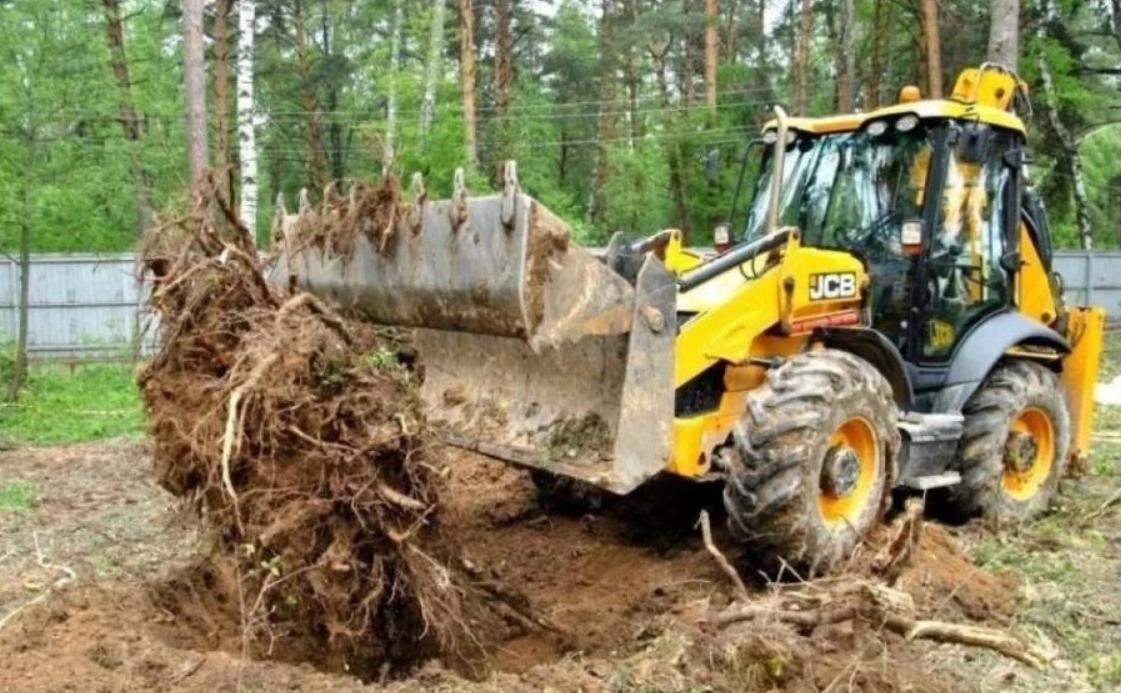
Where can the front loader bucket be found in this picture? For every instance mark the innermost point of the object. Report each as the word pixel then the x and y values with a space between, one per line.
pixel 534 350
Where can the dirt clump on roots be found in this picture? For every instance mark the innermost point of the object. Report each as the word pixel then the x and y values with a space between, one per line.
pixel 371 211
pixel 301 441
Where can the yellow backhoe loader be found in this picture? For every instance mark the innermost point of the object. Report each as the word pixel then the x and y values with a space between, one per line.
pixel 886 317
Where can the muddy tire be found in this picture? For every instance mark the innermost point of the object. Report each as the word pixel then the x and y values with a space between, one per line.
pixel 816 450
pixel 1014 446
pixel 568 496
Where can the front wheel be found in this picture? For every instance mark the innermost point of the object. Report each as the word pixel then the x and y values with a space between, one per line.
pixel 1014 446
pixel 816 447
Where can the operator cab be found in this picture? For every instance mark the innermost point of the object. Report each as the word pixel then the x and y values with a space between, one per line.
pixel 925 193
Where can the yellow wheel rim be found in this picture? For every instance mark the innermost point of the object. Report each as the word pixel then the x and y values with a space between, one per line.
pixel 1029 454
pixel 852 465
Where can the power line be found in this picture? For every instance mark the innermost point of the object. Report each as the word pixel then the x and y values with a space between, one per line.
pixel 455 108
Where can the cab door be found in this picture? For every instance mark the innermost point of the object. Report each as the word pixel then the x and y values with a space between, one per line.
pixel 964 277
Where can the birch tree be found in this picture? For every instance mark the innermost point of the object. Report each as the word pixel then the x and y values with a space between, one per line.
pixel 246 129
pixel 1004 32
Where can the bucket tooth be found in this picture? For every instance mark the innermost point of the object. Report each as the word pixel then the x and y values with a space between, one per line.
pixel 305 201
pixel 510 190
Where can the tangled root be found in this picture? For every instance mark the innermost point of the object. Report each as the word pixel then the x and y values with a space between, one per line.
pixel 301 441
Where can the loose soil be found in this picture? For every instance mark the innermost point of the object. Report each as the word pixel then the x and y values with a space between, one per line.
pixel 614 601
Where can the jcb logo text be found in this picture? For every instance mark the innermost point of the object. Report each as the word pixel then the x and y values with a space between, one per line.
pixel 829 287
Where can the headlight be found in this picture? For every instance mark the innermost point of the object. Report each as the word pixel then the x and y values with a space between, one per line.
pixel 877 128
pixel 907 123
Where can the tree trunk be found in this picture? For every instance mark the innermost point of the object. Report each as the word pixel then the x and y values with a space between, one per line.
pixel 597 210
pixel 432 73
pixel 1069 159
pixel 221 87
pixel 336 150
pixel 194 88
pixel 712 50
pixel 876 59
pixel 503 56
pixel 932 47
pixel 633 81
pixel 1004 32
pixel 802 60
pixel 845 58
pixel 19 366
pixel 762 79
pixel 246 129
pixel 500 143
pixel 688 68
pixel 1115 15
pixel 130 121
pixel 317 164
pixel 732 32
pixel 394 74
pixel 673 149
pixel 467 78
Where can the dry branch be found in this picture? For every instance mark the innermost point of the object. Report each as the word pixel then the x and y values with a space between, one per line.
pixel 878 605
pixel 65 576
pixel 721 560
pixel 975 636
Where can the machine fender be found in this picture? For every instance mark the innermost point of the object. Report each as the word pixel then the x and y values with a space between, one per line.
pixel 876 349
pixel 983 347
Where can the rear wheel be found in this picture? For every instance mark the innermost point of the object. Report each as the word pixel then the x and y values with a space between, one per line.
pixel 1014 446
pixel 815 450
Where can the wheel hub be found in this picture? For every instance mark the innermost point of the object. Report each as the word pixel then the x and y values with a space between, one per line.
pixel 841 471
pixel 1019 452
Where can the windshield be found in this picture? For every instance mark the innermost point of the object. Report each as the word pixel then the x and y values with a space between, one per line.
pixel 846 190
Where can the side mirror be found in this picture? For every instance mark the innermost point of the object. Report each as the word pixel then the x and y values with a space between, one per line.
pixel 910 237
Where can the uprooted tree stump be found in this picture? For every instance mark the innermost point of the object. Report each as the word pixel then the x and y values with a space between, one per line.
pixel 301 440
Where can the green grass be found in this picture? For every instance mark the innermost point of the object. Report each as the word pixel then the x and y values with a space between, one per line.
pixel 58 406
pixel 16 496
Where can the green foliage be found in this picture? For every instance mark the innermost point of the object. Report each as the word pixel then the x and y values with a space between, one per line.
pixel 66 169
pixel 59 406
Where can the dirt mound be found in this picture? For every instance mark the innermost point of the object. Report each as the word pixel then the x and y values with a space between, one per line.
pixel 301 441
pixel 945 582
